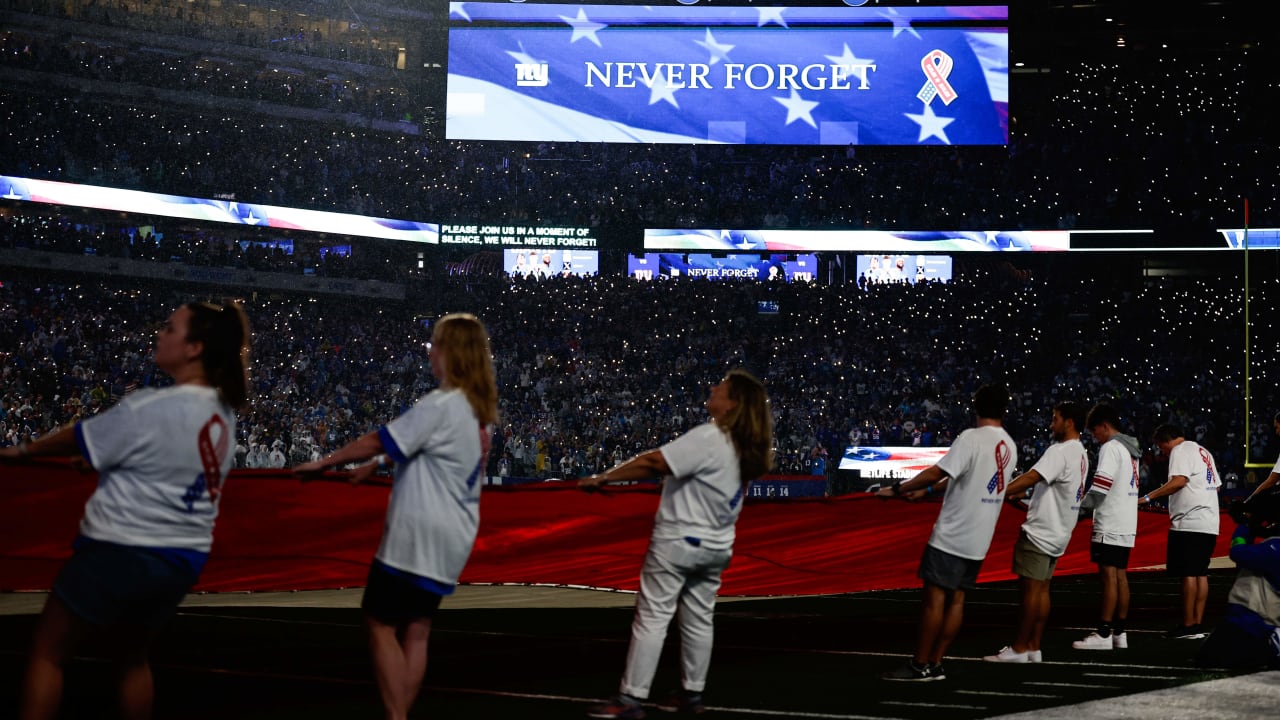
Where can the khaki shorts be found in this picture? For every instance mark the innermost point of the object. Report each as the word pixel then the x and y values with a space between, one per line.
pixel 1031 562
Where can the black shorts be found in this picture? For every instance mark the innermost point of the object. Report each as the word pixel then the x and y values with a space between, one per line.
pixel 1188 553
pixel 113 585
pixel 1116 556
pixel 947 571
pixel 394 599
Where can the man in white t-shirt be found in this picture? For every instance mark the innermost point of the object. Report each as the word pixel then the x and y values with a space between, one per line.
pixel 975 472
pixel 1192 490
pixel 1058 478
pixel 1113 497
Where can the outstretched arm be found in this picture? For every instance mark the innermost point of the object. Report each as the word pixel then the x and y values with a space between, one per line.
pixel 61 442
pixel 641 467
pixel 1021 484
pixel 363 447
pixel 1270 482
pixel 1176 483
pixel 926 478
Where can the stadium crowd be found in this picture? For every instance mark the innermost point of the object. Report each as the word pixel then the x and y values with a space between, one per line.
pixel 322 32
pixel 1061 130
pixel 207 246
pixel 121 62
pixel 590 369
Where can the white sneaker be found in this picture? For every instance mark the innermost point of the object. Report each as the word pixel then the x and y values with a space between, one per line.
pixel 1007 655
pixel 1035 656
pixel 1095 642
pixel 1120 641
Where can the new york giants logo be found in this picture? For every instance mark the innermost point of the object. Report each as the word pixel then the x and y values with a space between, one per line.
pixel 532 75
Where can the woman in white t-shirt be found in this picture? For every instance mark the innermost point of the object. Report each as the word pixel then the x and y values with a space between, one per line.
pixel 162 456
pixel 439 448
pixel 707 471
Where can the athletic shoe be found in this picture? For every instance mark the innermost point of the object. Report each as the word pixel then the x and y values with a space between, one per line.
pixel 617 708
pixel 1184 632
pixel 910 672
pixel 1035 656
pixel 1008 655
pixel 1095 642
pixel 1120 641
pixel 683 701
pixel 938 672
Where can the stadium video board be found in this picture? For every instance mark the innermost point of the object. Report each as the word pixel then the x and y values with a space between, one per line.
pixel 896 463
pixel 1255 239
pixel 887 268
pixel 505 234
pixel 685 73
pixel 284 246
pixel 550 262
pixel 336 251
pixel 731 266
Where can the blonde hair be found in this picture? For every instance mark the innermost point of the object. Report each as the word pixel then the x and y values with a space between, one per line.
pixel 749 424
pixel 468 363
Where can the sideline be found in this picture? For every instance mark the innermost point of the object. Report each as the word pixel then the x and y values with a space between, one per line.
pixel 1246 697
pixel 467 597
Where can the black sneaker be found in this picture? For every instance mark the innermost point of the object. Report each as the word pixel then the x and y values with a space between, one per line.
pixel 911 672
pixel 938 672
pixel 1184 632
pixel 683 701
pixel 617 708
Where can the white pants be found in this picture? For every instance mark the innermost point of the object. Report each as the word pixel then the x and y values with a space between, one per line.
pixel 675 572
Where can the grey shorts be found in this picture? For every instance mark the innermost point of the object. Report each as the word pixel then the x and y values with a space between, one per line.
pixel 947 571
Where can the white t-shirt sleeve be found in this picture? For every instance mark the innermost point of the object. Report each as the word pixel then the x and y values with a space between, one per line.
pixel 959 457
pixel 404 436
pixel 1052 465
pixel 687 455
pixel 107 438
pixel 1112 468
pixel 1183 463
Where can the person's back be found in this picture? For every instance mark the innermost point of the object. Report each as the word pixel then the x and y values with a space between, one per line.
pixel 1053 511
pixel 1115 519
pixel 979 464
pixel 976 471
pixel 434 511
pixel 152 454
pixel 705 499
pixel 1194 508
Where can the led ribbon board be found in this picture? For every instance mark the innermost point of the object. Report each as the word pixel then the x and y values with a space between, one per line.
pixel 222 211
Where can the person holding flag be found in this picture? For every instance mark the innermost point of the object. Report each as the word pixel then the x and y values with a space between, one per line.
pixel 975 473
